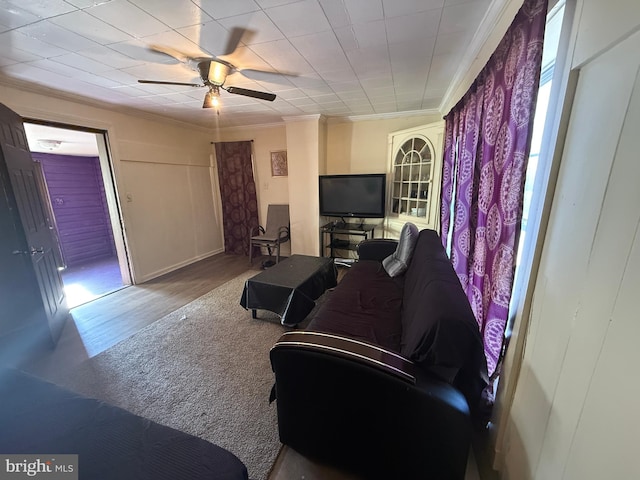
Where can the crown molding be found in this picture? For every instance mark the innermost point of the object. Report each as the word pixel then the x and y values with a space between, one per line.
pixel 383 116
pixel 304 118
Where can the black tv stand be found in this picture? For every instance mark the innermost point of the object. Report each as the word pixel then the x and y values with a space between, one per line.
pixel 339 235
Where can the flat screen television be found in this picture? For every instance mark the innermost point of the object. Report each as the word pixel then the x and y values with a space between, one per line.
pixel 359 196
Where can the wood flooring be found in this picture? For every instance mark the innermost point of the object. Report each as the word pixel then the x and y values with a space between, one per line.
pixel 98 325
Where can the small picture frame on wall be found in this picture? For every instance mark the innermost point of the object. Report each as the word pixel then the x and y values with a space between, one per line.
pixel 279 164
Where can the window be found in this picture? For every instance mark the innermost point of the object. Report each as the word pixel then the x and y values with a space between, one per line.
pixel 539 166
pixel 412 178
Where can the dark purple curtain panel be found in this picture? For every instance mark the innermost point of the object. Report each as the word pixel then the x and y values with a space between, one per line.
pixel 238 192
pixel 487 142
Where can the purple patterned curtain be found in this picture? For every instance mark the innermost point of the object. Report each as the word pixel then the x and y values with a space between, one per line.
pixel 487 141
pixel 238 192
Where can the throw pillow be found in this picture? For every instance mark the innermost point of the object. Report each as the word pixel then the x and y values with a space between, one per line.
pixel 396 263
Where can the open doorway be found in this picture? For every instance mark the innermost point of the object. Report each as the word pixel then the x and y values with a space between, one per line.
pixel 76 174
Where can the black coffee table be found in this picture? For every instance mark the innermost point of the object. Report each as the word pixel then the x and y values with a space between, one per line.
pixel 290 288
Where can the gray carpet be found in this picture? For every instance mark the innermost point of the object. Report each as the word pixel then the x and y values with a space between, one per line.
pixel 203 369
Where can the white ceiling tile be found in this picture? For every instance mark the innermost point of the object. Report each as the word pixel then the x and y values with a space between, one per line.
pixel 457 18
pixel 127 17
pixel 395 8
pixel 139 50
pixel 344 75
pixel 110 57
pixel 124 81
pixel 52 34
pixel 347 38
pixel 218 9
pixel 362 11
pixel 336 13
pixel 326 98
pixel 376 82
pixel 90 27
pixel 318 90
pixel 55 67
pixel 272 3
pixel 281 55
pixel 300 18
pixel 308 81
pixel 264 30
pixel 274 80
pixel 380 92
pixel 174 13
pixel 346 87
pixel 86 3
pixel 291 93
pixel 452 43
pixel 410 105
pixel 410 55
pixel 211 37
pixel 370 62
pixel 370 34
pixel 153 89
pixel 175 41
pixel 443 68
pixel 417 28
pixel 42 9
pixel 95 80
pixel 15 39
pixel 82 63
pixel 13 55
pixel 245 58
pixel 322 50
pixel 14 17
pixel 415 84
pixel 301 102
pixel 163 72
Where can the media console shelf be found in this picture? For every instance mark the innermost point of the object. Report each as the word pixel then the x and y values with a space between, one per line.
pixel 339 237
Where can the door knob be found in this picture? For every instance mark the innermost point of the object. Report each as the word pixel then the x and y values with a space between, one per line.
pixel 35 250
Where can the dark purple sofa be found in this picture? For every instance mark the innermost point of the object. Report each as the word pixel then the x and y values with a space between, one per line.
pixel 386 378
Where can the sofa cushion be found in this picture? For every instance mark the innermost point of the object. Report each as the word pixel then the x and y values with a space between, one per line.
pixel 366 305
pixel 439 330
pixel 398 262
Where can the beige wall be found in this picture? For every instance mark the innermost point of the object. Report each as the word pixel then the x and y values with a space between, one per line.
pixel 361 146
pixel 164 167
pixel 574 413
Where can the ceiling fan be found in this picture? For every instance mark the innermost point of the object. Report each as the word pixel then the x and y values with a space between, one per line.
pixel 214 71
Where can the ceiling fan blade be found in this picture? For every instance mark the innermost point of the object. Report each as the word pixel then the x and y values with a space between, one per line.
pixel 270 97
pixel 237 35
pixel 161 82
pixel 179 56
pixel 271 76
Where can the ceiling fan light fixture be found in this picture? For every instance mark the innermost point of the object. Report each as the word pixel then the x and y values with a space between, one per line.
pixel 218 73
pixel 212 98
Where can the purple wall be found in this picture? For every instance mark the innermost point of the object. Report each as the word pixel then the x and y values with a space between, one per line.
pixel 79 204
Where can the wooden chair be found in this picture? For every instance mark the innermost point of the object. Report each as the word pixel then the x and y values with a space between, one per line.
pixel 276 233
